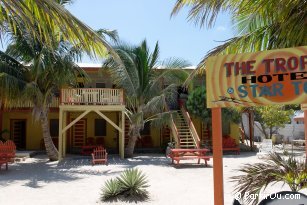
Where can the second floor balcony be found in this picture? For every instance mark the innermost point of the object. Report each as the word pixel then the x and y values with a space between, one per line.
pixel 91 96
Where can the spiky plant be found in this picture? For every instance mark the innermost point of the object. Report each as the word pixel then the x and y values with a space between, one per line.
pixel 133 184
pixel 256 177
pixel 130 185
pixel 111 190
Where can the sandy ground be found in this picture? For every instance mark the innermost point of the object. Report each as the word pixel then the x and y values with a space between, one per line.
pixel 75 181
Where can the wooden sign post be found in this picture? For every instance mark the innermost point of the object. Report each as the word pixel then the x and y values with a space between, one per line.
pixel 252 79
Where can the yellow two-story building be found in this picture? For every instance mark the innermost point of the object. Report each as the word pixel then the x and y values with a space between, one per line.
pixel 93 114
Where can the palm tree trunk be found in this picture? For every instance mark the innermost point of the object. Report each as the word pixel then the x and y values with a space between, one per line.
pixel 134 134
pixel 130 147
pixel 51 150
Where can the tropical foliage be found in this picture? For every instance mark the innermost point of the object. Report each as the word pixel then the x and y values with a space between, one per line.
pixel 197 105
pixel 260 25
pixel 45 19
pixel 271 118
pixel 256 177
pixel 140 77
pixel 43 71
pixel 130 185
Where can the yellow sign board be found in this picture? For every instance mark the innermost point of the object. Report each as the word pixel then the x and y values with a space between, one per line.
pixel 261 78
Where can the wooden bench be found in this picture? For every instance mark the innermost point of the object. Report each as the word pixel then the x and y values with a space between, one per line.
pixel 229 144
pixel 87 149
pixel 7 153
pixel 236 149
pixel 183 154
pixel 99 156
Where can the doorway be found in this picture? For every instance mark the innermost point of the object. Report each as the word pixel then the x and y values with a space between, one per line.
pixel 18 133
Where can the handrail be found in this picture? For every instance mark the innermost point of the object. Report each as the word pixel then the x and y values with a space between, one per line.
pixel 191 126
pixel 174 131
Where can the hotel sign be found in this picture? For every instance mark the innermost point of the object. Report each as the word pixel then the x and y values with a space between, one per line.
pixel 261 78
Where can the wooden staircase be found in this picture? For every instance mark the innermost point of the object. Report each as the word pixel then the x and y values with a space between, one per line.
pixel 184 132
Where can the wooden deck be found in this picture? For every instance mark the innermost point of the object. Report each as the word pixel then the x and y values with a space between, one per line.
pixel 92 96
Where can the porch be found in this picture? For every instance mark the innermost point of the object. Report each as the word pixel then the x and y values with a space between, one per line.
pixel 82 101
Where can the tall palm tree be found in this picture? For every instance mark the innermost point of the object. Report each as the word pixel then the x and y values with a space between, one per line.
pixel 44 19
pixel 32 72
pixel 141 80
pixel 256 177
pixel 261 25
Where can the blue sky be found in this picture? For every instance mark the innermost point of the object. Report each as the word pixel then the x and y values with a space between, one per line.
pixel 136 20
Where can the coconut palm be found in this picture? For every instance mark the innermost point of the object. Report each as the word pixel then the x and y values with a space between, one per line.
pixel 141 80
pixel 261 25
pixel 32 72
pixel 256 177
pixel 44 19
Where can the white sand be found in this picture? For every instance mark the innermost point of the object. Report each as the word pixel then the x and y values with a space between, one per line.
pixel 75 181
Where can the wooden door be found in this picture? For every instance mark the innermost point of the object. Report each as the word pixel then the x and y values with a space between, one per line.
pixel 18 133
pixel 79 133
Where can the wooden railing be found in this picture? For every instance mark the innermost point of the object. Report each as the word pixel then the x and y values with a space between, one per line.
pixel 27 104
pixel 191 126
pixel 174 131
pixel 92 96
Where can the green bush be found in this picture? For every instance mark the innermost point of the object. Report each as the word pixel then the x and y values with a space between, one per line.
pixel 129 186
pixel 110 190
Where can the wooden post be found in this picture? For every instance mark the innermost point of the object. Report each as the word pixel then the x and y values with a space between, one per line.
pixel 251 129
pixel 1 118
pixel 122 136
pixel 60 134
pixel 64 134
pixel 305 125
pixel 217 156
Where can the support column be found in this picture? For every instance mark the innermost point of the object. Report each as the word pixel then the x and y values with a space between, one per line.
pixel 305 125
pixel 65 133
pixel 60 134
pixel 122 135
pixel 217 156
pixel 251 129
pixel 1 118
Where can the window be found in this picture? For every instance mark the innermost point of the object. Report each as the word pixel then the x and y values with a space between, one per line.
pixel 100 127
pixel 146 130
pixel 54 127
pixel 100 85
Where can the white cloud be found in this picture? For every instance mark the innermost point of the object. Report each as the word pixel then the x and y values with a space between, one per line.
pixel 221 28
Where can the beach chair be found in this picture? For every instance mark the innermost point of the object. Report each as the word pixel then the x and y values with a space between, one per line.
pixel 266 147
pixel 99 156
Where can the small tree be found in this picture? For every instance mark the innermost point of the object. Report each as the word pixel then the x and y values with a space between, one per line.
pixel 272 118
pixel 197 106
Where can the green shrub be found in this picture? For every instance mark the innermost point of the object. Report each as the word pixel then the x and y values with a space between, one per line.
pixel 129 186
pixel 110 190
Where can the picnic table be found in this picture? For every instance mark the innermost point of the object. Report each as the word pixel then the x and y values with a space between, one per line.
pixel 183 154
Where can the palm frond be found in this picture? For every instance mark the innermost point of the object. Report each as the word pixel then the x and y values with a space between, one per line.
pixel 51 17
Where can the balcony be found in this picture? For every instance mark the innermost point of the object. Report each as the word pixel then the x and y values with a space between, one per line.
pixel 92 96
pixel 27 104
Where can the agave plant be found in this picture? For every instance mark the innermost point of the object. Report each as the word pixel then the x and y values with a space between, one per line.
pixel 133 184
pixel 256 177
pixel 130 185
pixel 111 190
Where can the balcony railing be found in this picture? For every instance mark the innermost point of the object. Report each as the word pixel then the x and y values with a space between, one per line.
pixel 92 96
pixel 27 104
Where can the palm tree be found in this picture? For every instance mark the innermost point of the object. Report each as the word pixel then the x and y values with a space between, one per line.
pixel 44 19
pixel 261 25
pixel 256 177
pixel 141 80
pixel 43 71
